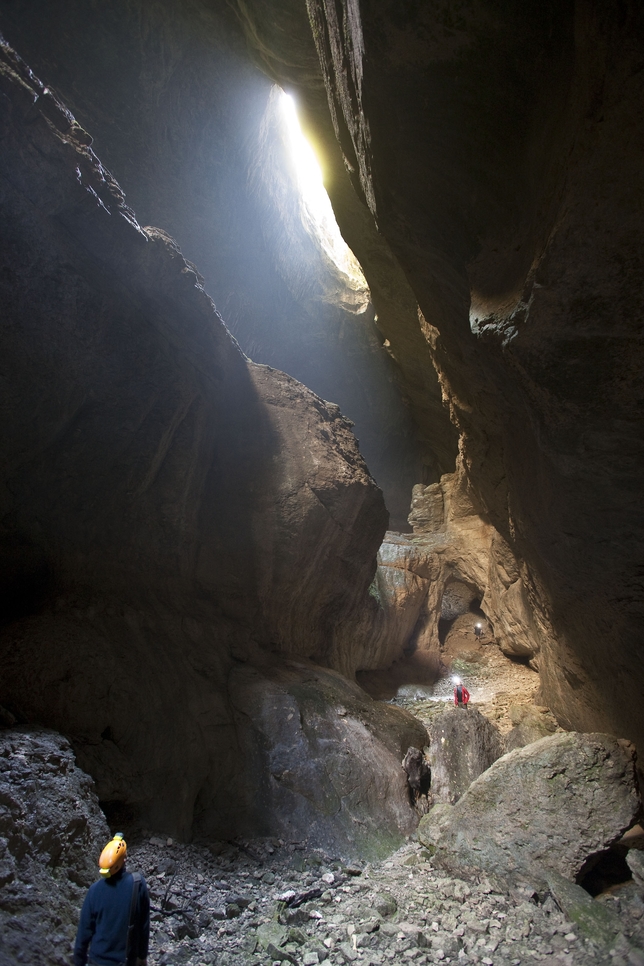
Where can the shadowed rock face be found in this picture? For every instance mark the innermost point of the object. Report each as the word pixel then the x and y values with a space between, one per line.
pixel 170 511
pixel 500 153
pixel 51 835
pixel 462 745
pixel 329 757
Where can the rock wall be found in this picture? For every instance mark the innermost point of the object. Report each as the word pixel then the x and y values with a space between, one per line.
pixel 170 510
pixel 191 130
pixel 51 835
pixel 453 546
pixel 508 188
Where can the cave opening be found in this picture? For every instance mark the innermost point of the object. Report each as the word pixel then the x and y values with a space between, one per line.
pixel 317 213
pixel 603 871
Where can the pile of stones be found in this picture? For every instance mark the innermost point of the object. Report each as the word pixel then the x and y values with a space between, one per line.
pixel 264 902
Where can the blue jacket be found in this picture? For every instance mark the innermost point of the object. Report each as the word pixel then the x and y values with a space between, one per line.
pixel 102 930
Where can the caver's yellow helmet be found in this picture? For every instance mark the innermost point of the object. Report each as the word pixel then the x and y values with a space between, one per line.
pixel 113 856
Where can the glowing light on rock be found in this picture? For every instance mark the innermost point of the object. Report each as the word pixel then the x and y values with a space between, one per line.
pixel 317 208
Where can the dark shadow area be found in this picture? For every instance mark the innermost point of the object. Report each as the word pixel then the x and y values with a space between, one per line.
pixel 26 578
pixel 121 816
pixel 601 872
pixel 421 667
pixel 444 627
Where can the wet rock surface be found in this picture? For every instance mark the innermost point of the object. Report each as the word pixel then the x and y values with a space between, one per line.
pixel 549 806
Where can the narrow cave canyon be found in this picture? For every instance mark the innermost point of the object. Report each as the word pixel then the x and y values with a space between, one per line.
pixel 276 471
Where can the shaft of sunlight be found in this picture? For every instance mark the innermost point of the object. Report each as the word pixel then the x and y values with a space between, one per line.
pixel 316 202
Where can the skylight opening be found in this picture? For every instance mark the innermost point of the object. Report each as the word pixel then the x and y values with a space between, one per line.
pixel 317 210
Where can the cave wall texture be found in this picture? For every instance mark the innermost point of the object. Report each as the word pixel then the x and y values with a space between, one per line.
pixel 184 122
pixel 498 146
pixel 186 524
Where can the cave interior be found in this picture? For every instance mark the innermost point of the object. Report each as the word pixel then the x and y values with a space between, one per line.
pixel 199 562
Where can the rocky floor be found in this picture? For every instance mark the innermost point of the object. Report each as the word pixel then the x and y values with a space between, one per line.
pixel 264 902
pixel 499 687
pixel 267 902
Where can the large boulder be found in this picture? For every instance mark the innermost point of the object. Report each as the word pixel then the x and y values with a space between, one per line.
pixel 51 834
pixel 547 807
pixel 462 745
pixel 326 758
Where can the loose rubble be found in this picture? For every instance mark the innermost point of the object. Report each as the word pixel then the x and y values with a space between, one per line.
pixel 266 902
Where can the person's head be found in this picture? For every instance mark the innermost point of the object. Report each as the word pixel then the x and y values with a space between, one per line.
pixel 457 681
pixel 113 856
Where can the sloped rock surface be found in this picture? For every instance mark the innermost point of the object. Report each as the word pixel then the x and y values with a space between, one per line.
pixel 462 745
pixel 548 806
pixel 51 834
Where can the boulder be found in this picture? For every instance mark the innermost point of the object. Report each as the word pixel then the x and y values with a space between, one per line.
pixel 594 919
pixel 530 724
pixel 462 745
pixel 547 807
pixel 323 761
pixel 51 834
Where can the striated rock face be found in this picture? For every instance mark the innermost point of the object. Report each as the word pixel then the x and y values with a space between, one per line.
pixel 462 745
pixel 445 519
pixel 168 508
pixel 51 835
pixel 453 558
pixel 550 806
pixel 509 189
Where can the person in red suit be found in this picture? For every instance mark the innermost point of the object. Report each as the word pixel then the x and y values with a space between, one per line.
pixel 461 694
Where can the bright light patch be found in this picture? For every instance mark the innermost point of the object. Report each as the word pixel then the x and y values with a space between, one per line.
pixel 316 204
